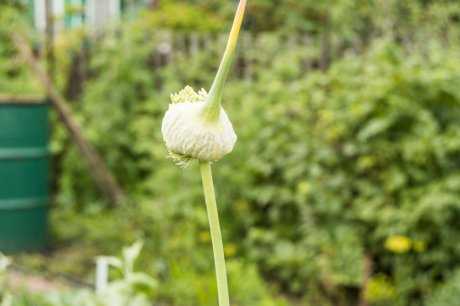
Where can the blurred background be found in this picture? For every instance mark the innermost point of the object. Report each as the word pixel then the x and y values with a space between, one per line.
pixel 343 189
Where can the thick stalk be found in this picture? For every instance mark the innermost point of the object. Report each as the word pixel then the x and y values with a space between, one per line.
pixel 212 109
pixel 216 236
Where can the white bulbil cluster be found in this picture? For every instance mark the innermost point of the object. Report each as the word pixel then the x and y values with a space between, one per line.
pixel 189 135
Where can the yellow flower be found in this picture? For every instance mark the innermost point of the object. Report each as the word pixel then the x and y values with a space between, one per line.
pixel 379 289
pixel 398 244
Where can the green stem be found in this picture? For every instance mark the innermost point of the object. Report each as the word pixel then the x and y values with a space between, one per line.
pixel 216 236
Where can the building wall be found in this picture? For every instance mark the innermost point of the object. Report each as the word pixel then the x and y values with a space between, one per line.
pixel 96 14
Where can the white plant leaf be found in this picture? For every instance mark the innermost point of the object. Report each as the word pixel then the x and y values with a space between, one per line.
pixel 130 255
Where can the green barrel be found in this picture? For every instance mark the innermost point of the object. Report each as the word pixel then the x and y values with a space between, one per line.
pixel 24 163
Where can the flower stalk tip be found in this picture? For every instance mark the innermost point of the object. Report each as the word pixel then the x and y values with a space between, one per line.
pixel 212 110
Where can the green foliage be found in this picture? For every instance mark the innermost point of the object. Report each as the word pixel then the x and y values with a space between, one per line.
pixel 369 150
pixel 132 288
pixel 380 291
pixel 332 169
pixel 190 18
pixel 346 18
pixel 334 164
pixel 447 294
pixel 14 77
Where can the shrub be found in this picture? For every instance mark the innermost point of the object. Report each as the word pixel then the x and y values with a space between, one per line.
pixel 337 163
pixel 448 293
pixel 341 167
pixel 14 77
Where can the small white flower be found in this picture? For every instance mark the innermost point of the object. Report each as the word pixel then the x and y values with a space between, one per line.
pixel 187 133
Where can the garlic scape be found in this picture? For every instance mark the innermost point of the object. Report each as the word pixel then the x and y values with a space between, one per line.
pixel 196 126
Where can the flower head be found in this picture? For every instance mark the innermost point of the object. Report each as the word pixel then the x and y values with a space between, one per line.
pixel 189 136
pixel 195 125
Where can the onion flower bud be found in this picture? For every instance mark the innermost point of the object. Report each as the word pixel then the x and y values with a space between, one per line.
pixel 196 126
pixel 189 135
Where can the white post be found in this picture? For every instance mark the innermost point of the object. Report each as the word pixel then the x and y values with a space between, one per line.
pixel 39 15
pixel 102 274
pixel 58 11
pixel 101 13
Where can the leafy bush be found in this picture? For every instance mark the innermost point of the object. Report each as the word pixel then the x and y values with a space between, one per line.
pixel 342 18
pixel 132 288
pixel 447 294
pixel 334 169
pixel 191 18
pixel 340 161
pixel 334 165
pixel 14 77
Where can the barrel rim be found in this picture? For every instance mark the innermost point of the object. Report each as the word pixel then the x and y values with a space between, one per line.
pixel 23 100
pixel 24 153
pixel 24 203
